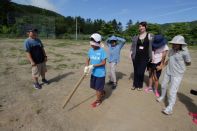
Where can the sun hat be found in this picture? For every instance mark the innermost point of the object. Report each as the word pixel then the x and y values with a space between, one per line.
pixel 96 39
pixel 113 38
pixel 159 41
pixel 179 39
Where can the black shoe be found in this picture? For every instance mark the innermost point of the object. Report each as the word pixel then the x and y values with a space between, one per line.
pixel 114 86
pixel 45 81
pixel 110 82
pixel 37 86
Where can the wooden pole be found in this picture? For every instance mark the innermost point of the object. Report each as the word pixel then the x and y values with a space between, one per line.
pixel 75 88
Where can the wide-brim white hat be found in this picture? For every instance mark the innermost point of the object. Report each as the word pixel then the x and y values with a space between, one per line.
pixel 179 39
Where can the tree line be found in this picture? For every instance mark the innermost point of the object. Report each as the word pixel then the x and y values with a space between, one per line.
pixel 15 19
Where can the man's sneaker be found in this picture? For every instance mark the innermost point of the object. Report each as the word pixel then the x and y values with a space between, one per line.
pixel 45 81
pixel 114 85
pixel 167 111
pixel 110 82
pixel 37 86
pixel 159 99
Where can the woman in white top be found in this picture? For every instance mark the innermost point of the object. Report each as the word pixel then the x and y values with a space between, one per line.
pixel 159 52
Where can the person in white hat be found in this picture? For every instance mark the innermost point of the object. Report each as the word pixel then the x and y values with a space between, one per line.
pixel 179 57
pixel 96 65
pixel 114 45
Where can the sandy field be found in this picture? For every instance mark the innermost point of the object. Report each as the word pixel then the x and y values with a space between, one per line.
pixel 23 108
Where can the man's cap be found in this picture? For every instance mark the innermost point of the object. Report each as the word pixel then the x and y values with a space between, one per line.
pixel 32 30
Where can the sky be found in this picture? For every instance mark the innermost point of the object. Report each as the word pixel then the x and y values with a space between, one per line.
pixel 154 11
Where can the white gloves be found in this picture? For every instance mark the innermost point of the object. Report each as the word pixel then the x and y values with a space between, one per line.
pixel 85 70
pixel 88 69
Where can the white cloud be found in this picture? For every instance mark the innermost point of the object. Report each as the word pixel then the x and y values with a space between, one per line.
pixel 46 4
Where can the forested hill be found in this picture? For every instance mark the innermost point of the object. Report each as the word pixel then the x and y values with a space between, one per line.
pixel 15 19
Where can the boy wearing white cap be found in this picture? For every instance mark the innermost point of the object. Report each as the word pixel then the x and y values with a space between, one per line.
pixel 178 57
pixel 96 64
pixel 114 44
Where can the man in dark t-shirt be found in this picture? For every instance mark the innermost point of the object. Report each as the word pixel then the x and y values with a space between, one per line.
pixel 37 57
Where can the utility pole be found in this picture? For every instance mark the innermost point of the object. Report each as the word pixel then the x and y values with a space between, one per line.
pixel 76 27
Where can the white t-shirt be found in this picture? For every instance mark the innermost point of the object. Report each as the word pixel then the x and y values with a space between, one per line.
pixel 157 54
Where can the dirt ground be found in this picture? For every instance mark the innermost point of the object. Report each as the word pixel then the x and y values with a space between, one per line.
pixel 22 108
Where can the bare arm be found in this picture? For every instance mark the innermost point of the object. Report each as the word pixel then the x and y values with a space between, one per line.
pixel 87 61
pixel 163 64
pixel 101 64
pixel 30 59
pixel 45 56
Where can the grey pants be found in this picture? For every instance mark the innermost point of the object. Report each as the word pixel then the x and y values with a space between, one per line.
pixel 112 71
pixel 175 82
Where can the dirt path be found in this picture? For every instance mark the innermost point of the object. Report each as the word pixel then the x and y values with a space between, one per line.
pixel 23 108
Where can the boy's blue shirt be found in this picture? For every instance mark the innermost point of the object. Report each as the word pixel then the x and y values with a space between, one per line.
pixel 96 57
pixel 114 51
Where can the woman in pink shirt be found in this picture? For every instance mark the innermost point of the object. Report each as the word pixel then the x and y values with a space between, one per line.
pixel 159 52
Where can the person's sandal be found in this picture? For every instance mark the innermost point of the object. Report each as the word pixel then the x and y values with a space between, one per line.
pixel 96 103
pixel 192 114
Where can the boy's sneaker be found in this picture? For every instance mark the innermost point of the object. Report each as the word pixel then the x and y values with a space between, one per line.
pixel 159 99
pixel 167 111
pixel 114 85
pixel 110 82
pixel 37 86
pixel 45 81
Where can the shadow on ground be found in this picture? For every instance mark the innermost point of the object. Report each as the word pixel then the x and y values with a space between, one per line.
pixel 59 77
pixel 188 102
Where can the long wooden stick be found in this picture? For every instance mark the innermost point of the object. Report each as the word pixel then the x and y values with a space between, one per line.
pixel 75 88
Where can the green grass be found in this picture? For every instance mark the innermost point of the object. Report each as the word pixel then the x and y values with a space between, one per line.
pixel 61 66
pixel 58 60
pixel 62 44
pixel 23 62
pixel 79 53
pixel 194 47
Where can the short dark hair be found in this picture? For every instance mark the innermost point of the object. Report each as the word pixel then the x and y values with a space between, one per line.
pixel 143 23
pixel 33 30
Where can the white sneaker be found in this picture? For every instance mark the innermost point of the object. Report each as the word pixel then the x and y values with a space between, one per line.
pixel 167 111
pixel 160 99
